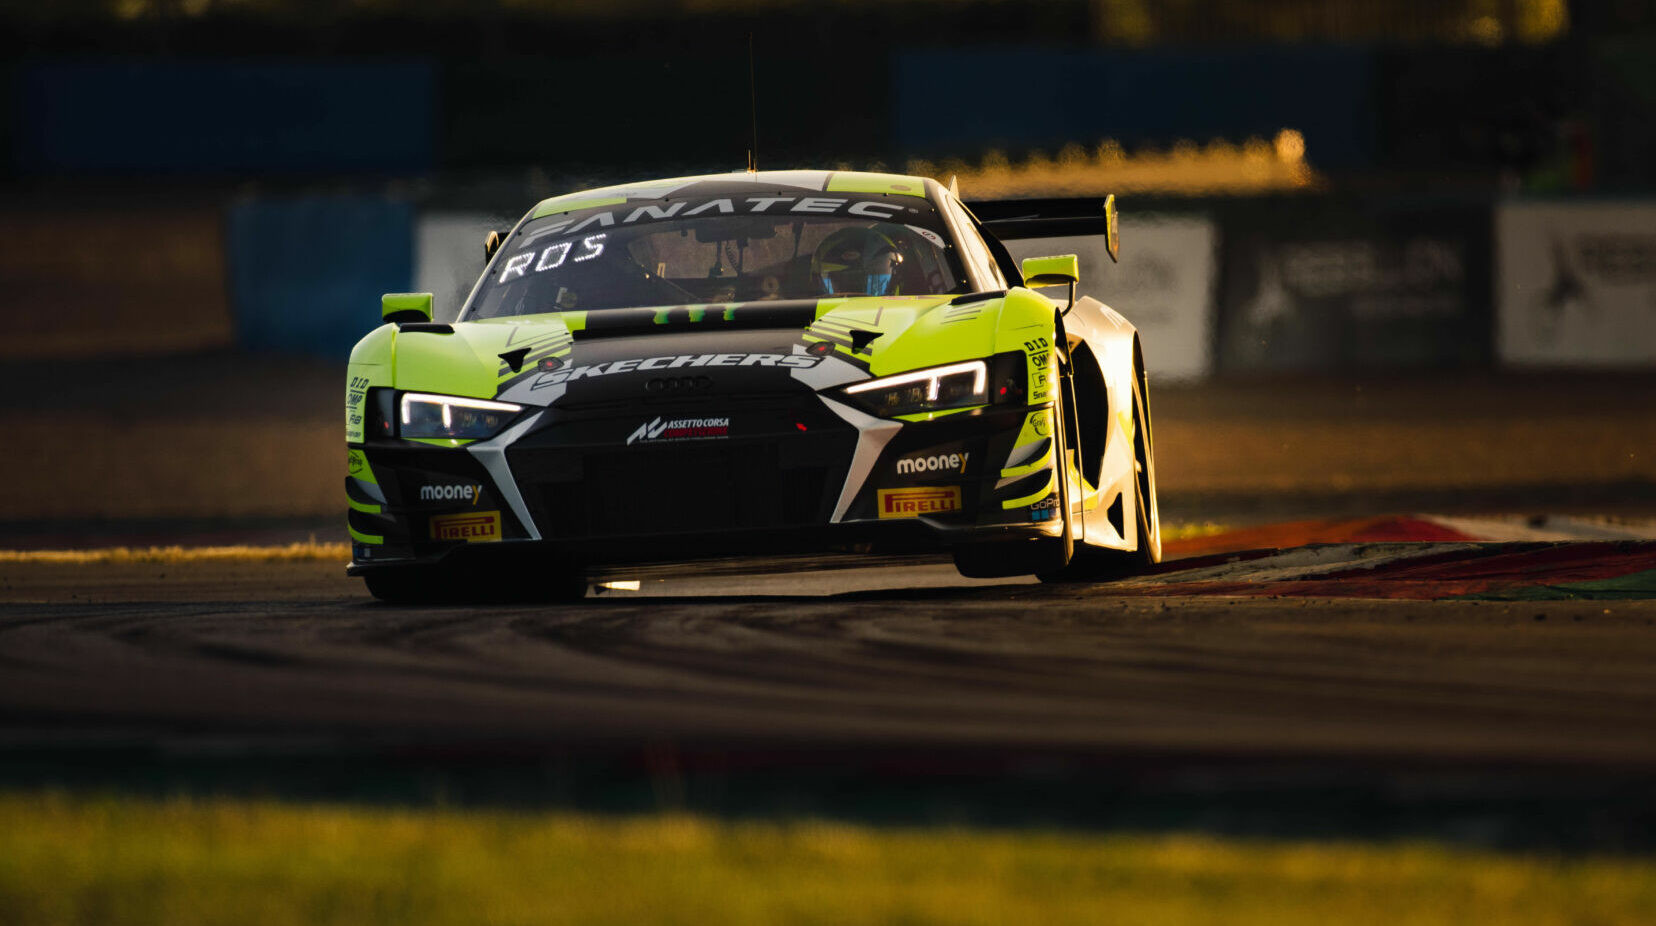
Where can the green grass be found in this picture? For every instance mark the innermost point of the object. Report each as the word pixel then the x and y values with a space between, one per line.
pixel 70 859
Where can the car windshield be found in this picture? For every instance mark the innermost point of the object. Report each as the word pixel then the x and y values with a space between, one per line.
pixel 731 249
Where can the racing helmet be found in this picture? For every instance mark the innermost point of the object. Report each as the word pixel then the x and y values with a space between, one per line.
pixel 856 261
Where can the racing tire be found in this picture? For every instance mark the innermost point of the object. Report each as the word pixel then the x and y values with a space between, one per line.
pixel 1091 564
pixel 1149 551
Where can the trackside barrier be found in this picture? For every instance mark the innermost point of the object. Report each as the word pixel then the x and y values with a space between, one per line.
pixel 306 275
pixel 1312 285
pixel 1577 284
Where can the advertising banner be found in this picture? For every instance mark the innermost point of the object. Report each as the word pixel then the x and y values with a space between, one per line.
pixel 1577 284
pixel 1322 286
pixel 1164 285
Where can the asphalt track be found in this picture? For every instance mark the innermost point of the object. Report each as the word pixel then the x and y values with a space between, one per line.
pixel 1366 649
pixel 1446 666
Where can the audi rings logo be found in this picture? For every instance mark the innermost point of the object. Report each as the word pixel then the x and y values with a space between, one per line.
pixel 678 385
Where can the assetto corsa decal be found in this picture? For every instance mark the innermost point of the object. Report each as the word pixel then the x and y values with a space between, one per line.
pixel 676 429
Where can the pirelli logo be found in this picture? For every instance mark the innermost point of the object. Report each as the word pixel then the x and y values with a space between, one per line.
pixel 474 528
pixel 910 503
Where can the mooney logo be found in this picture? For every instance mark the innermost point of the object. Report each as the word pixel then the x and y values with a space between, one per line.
pixel 681 429
pixel 451 493
pixel 909 503
pixel 676 362
pixel 932 464
pixel 473 528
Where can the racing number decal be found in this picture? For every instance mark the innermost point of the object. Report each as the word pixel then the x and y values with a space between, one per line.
pixel 1040 375
pixel 355 390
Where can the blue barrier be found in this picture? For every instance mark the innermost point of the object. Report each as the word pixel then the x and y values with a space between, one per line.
pixel 960 102
pixel 306 275
pixel 173 117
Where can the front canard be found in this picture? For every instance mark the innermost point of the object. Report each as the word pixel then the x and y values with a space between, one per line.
pixel 910 503
pixel 472 527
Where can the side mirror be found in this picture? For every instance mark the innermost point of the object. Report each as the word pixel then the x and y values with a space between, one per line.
pixel 1051 271
pixel 491 244
pixel 1112 230
pixel 399 308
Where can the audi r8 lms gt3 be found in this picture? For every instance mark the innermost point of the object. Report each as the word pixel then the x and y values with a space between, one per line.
pixel 755 363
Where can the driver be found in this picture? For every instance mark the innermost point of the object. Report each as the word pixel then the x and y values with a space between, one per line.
pixel 856 261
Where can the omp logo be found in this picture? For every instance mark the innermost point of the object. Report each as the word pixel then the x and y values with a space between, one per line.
pixel 681 429
pixel 472 528
pixel 910 503
pixel 932 464
pixel 451 493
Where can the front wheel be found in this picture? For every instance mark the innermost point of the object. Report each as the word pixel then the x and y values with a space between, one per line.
pixel 1095 564
pixel 1149 550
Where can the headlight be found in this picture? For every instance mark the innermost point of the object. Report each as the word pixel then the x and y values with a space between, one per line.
pixel 453 417
pixel 957 385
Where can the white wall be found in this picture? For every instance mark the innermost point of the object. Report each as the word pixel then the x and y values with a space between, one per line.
pixel 448 256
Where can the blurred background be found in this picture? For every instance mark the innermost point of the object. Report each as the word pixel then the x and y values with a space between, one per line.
pixel 202 200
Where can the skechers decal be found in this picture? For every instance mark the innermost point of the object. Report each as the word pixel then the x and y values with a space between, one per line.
pixel 675 362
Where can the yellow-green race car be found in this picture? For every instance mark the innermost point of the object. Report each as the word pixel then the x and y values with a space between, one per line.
pixel 752 364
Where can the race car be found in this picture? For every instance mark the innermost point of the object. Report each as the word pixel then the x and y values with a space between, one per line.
pixel 752 364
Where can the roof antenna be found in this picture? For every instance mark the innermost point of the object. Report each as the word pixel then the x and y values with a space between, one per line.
pixel 753 109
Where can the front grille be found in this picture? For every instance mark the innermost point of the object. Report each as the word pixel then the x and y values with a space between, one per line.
pixel 684 488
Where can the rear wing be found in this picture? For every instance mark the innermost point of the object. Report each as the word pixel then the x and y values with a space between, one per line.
pixel 1011 219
